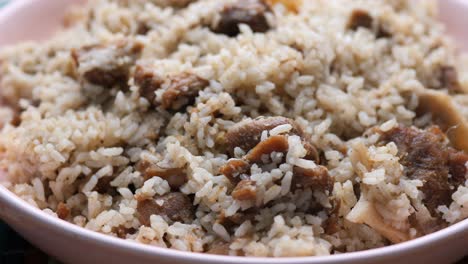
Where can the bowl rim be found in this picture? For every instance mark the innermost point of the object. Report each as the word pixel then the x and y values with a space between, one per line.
pixel 25 209
pixel 31 212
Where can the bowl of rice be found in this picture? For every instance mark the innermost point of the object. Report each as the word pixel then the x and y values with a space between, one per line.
pixel 236 131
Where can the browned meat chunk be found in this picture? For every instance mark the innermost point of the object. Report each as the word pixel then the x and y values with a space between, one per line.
pixel 383 32
pixel 449 79
pixel 249 12
pixel 176 177
pixel 181 3
pixel 103 185
pixel 359 18
pixel 173 3
pixel 62 211
pixel 457 166
pixel 247 133
pixel 266 147
pixel 426 156
pixel 122 231
pixel 245 190
pixel 436 187
pixel 426 226
pixel 148 82
pixel 230 222
pixel 219 248
pixel 331 224
pixel 142 28
pixel 312 153
pixel 234 168
pixel 107 65
pixel 175 207
pixel 240 217
pixel 317 178
pixel 182 90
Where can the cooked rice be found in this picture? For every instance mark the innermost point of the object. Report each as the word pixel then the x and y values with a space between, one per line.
pixel 63 137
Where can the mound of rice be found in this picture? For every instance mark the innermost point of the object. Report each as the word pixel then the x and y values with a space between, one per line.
pixel 242 127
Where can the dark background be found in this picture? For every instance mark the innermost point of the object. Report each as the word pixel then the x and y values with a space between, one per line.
pixel 16 250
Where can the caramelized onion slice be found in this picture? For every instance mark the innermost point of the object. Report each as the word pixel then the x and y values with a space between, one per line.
pixel 364 212
pixel 446 115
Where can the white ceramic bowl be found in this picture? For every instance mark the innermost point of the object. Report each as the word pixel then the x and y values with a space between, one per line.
pixel 34 19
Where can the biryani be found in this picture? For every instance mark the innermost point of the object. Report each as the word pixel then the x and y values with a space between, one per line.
pixel 242 127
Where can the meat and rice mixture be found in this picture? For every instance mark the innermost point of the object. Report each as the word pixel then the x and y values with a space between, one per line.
pixel 242 127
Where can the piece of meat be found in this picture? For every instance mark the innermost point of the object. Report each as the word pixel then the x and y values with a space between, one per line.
pixel 449 79
pixel 230 222
pixel 245 190
pixel 107 65
pixel 219 248
pixel 122 231
pixel 311 152
pixel 62 211
pixel 240 217
pixel 426 156
pixel 457 166
pixel 427 225
pixel 234 168
pixel 175 177
pixel 436 187
pixel 359 18
pixel 331 224
pixel 142 28
pixel 383 32
pixel 103 185
pixel 182 90
pixel 272 144
pixel 317 179
pixel 362 18
pixel 249 12
pixel 246 134
pixel 181 3
pixel 173 3
pixel 175 207
pixel 148 82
